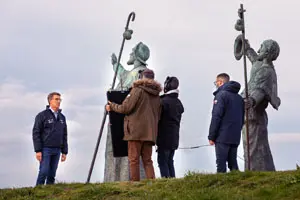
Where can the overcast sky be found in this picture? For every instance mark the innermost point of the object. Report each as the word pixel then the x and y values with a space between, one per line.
pixel 65 46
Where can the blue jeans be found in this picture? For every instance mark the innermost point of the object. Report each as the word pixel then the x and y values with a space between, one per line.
pixel 48 166
pixel 226 153
pixel 166 162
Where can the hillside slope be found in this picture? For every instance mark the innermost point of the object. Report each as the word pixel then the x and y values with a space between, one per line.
pixel 237 185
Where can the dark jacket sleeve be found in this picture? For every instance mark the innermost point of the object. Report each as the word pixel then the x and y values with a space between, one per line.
pixel 217 115
pixel 64 149
pixel 36 133
pixel 182 107
pixel 129 103
pixel 161 111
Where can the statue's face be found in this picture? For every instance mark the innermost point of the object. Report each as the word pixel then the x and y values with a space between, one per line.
pixel 262 52
pixel 132 57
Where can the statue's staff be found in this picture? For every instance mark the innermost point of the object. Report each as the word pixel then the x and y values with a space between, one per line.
pixel 240 26
pixel 126 36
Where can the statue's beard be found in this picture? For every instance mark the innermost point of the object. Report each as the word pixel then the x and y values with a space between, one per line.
pixel 131 60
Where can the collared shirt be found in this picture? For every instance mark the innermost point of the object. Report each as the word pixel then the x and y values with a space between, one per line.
pixel 54 112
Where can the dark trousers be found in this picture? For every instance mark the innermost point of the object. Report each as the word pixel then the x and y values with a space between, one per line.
pixel 226 153
pixel 166 162
pixel 48 166
pixel 135 150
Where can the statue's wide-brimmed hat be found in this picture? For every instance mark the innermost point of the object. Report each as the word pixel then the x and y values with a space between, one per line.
pixel 238 47
pixel 142 52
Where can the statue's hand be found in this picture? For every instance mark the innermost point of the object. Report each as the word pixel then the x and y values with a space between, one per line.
pixel 247 45
pixel 114 59
pixel 249 103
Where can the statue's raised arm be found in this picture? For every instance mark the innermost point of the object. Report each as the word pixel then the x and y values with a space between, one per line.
pixel 122 72
pixel 250 52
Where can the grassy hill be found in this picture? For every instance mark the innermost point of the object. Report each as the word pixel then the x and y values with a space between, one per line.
pixel 237 185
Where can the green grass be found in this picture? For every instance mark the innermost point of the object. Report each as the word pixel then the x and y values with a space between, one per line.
pixel 236 185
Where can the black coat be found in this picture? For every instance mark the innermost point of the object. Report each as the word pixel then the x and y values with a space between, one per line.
pixel 227 114
pixel 49 131
pixel 169 124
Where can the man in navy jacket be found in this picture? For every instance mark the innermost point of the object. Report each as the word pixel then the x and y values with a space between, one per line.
pixel 226 122
pixel 49 136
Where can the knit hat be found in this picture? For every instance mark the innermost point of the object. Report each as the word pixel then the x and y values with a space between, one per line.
pixel 148 73
pixel 171 83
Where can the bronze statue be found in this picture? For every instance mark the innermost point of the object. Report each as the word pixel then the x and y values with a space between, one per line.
pixel 259 91
pixel 262 90
pixel 117 168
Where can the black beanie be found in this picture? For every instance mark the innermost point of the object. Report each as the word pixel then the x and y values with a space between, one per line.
pixel 171 83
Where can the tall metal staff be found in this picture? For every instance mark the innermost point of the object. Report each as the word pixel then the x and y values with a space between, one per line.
pixel 126 36
pixel 240 26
